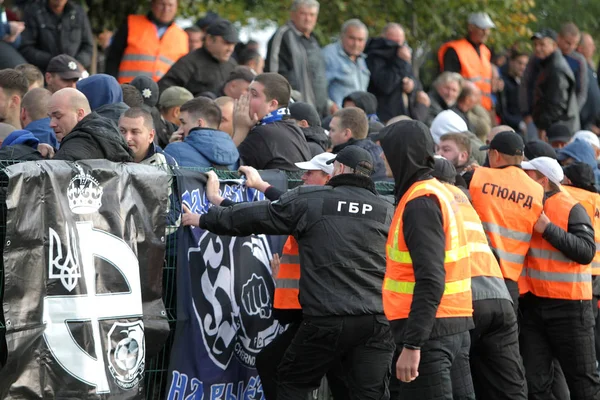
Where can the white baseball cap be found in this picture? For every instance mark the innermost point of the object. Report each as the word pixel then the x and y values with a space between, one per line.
pixel 481 20
pixel 318 163
pixel 546 166
pixel 587 136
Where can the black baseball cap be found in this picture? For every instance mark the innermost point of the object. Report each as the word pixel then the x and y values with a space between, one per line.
pixel 558 133
pixel 507 142
pixel 208 19
pixel 538 148
pixel 224 28
pixel 64 66
pixel 544 33
pixel 303 111
pixel 355 157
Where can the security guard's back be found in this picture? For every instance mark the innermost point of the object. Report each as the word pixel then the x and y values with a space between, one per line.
pixel 341 230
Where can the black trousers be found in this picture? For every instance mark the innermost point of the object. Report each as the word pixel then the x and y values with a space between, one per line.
pixel 362 344
pixel 444 372
pixel 562 330
pixel 267 362
pixel 496 364
pixel 595 301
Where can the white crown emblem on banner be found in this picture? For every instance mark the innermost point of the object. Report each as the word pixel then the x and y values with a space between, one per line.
pixel 84 193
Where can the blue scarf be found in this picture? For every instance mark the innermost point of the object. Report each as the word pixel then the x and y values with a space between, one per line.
pixel 275 116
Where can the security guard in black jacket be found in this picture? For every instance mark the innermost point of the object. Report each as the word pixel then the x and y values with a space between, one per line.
pixel 341 229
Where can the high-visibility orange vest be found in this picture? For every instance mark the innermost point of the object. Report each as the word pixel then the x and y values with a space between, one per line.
pixel 549 272
pixel 287 280
pixel 509 204
pixel 591 202
pixel 475 68
pixel 399 282
pixel 148 55
pixel 487 281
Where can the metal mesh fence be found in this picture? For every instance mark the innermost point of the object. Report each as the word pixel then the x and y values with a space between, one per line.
pixel 156 375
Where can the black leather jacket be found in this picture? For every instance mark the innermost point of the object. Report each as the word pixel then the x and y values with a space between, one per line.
pixel 341 230
pixel 554 96
pixel 47 35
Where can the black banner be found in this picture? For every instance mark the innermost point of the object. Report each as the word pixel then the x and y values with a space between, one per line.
pixel 83 259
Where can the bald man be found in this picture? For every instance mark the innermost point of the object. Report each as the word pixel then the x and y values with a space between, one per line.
pixel 84 135
pixel 497 129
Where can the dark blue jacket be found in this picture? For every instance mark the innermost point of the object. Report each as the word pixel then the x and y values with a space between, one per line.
pixel 590 112
pixel 580 151
pixel 374 149
pixel 41 130
pixel 205 148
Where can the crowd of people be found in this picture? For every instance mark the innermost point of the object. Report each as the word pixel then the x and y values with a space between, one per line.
pixel 478 281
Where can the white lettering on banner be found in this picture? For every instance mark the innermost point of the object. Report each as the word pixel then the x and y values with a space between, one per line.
pixel 92 307
pixel 218 391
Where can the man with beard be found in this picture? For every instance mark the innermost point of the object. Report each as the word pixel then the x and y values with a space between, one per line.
pixel 456 148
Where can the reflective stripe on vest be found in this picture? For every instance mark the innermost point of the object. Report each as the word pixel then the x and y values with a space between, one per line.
pixel 549 272
pixel 509 203
pixel 487 281
pixel 399 282
pixel 409 287
pixel 591 202
pixel 147 54
pixel 474 67
pixel 287 281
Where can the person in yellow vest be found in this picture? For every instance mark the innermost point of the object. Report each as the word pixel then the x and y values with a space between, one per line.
pixel 508 203
pixel 470 57
pixel 147 44
pixel 579 182
pixel 557 319
pixel 286 271
pixel 427 286
pixel 496 365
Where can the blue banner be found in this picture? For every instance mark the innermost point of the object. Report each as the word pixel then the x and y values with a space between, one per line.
pixel 224 303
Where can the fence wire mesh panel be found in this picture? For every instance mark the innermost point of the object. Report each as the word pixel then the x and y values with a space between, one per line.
pixel 156 373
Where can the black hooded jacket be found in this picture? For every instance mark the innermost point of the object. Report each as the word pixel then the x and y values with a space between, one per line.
pixel 94 137
pixel 408 147
pixel 387 72
pixel 364 100
pixel 317 139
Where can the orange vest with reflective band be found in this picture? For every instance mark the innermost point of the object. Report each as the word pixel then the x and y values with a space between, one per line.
pixel 591 202
pixel 487 281
pixel 549 272
pixel 472 67
pixel 509 204
pixel 399 282
pixel 148 55
pixel 287 280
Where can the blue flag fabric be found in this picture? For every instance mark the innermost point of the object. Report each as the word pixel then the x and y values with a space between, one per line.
pixel 224 303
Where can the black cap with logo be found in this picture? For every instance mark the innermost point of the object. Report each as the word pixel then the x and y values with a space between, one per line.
pixel 355 157
pixel 506 142
pixel 64 66
pixel 544 33
pixel 224 28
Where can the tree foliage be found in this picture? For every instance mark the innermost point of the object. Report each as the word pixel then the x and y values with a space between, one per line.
pixel 428 23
